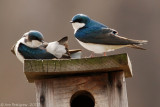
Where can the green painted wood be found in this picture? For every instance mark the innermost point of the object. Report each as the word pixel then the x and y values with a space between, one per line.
pixel 42 69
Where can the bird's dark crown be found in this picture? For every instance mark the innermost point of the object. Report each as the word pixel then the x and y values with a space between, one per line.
pixel 35 35
pixel 80 18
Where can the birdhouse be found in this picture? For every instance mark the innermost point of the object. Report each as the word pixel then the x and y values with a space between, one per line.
pixel 85 82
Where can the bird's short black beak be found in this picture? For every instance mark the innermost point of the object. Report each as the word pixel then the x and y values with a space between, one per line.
pixel 71 21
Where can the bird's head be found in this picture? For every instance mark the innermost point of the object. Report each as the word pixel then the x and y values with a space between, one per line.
pixel 33 38
pixel 79 21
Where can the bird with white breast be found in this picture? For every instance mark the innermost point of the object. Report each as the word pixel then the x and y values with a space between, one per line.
pixel 98 38
pixel 32 46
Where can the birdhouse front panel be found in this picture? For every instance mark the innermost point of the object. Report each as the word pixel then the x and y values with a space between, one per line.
pixel 93 90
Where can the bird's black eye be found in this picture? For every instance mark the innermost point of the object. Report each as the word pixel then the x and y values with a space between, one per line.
pixel 78 20
pixel 115 32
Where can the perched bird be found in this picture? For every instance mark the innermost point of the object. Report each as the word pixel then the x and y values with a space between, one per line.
pixel 32 46
pixel 98 38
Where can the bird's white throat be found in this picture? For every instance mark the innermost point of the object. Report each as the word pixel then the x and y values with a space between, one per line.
pixel 77 26
pixel 34 43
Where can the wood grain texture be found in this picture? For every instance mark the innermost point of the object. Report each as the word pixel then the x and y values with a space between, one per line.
pixel 108 89
pixel 42 69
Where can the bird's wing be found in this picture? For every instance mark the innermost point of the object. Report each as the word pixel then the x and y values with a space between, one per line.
pixel 34 53
pixel 107 36
pixel 64 41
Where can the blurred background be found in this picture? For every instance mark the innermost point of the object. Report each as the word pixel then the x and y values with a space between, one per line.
pixel 136 19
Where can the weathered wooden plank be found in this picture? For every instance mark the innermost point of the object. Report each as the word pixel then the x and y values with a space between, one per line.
pixel 107 89
pixel 41 69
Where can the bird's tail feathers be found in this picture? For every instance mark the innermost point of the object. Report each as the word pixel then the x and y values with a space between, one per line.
pixel 141 42
pixel 74 51
pixel 137 47
pixel 64 41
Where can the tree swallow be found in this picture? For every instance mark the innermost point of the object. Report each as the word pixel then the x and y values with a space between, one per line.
pixel 32 46
pixel 98 38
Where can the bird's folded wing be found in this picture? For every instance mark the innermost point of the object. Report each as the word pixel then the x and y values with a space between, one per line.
pixel 107 36
pixel 34 53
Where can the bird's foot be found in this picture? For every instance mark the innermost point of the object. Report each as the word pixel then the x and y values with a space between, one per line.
pixel 105 54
